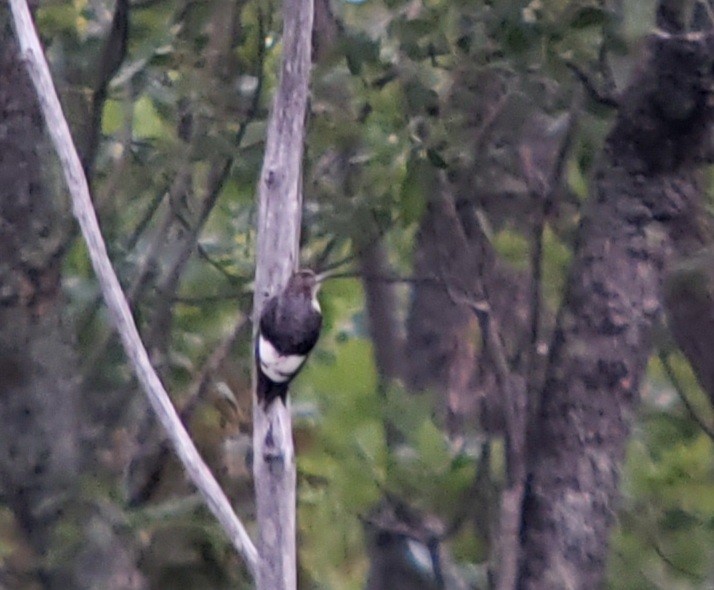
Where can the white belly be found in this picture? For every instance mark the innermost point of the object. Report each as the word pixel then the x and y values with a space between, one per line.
pixel 279 368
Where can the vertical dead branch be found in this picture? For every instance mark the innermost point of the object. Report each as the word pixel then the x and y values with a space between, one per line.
pixel 280 204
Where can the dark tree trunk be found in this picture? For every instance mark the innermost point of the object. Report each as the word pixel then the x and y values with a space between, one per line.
pixel 644 213
pixel 441 333
pixel 41 453
pixel 382 311
pixel 689 296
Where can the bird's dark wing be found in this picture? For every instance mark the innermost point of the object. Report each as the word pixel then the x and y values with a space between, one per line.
pixel 308 334
pixel 292 326
pixel 268 324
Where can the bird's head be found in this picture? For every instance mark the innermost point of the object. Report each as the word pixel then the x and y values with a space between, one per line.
pixel 305 282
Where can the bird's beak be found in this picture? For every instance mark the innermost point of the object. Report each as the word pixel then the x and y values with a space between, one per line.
pixel 319 278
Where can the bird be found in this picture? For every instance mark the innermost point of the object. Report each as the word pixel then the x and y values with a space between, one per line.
pixel 289 328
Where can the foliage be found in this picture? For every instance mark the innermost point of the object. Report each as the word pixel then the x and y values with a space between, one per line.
pixel 412 90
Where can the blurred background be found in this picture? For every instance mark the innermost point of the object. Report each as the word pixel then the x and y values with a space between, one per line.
pixel 433 124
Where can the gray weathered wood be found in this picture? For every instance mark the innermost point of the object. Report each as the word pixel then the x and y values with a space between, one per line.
pixel 114 297
pixel 280 206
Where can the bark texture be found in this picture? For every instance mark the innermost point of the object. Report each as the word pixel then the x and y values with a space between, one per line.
pixel 644 213
pixel 279 217
pixel 39 454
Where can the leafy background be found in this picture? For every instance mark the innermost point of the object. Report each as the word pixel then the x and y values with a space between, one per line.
pixel 395 100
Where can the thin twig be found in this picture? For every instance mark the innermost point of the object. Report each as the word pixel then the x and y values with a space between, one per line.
pixel 536 293
pixel 355 274
pixel 668 561
pixel 197 389
pixel 329 266
pixel 159 325
pixel 216 180
pixel 468 290
pixel 492 341
pixel 599 95
pixel 544 204
pixel 119 310
pixel 482 133
pixel 231 277
pixel 475 498
pixel 117 176
pixel 94 306
pixel 210 299
pixel 691 37
pixel 139 283
pixel 679 388
pixel 196 393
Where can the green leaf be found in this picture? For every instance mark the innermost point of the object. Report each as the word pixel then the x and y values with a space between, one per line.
pixel 112 117
pixel 421 98
pixel 359 50
pixel 588 16
pixel 432 447
pixel 418 186
pixel 147 122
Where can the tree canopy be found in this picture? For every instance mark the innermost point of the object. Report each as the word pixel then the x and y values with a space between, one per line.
pixel 445 140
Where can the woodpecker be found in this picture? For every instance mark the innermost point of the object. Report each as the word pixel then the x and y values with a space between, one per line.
pixel 289 328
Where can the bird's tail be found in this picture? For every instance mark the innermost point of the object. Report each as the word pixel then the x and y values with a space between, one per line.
pixel 268 391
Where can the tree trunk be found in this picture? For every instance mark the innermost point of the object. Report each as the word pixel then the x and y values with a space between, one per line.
pixel 382 316
pixel 441 333
pixel 643 213
pixel 41 454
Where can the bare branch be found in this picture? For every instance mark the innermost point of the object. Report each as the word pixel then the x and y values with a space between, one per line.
pixel 465 286
pixel 603 96
pixel 279 215
pixel 382 278
pixel 197 389
pixel 219 171
pixel 545 196
pixel 113 54
pixel 156 462
pixel 116 302
pixel 679 388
